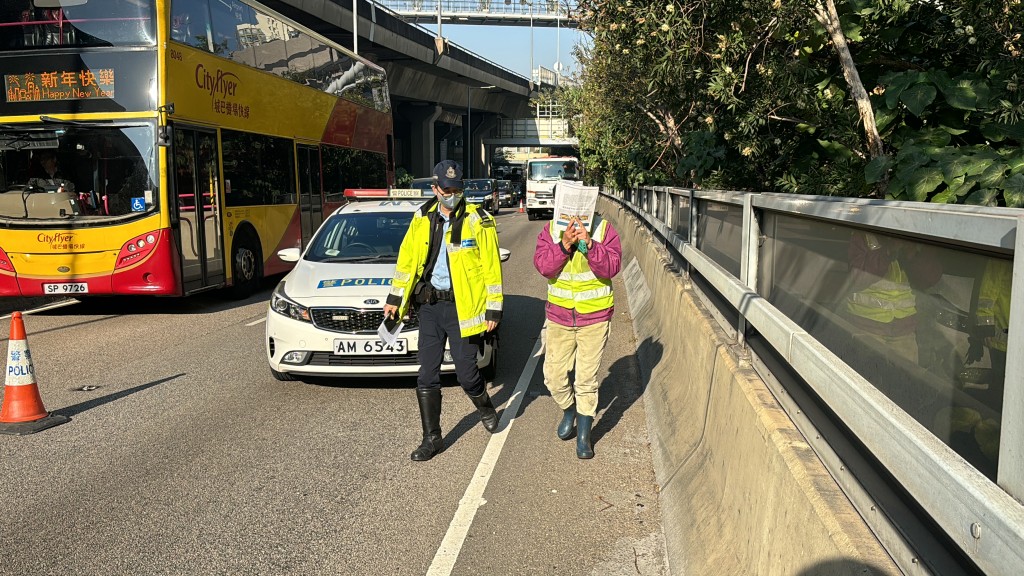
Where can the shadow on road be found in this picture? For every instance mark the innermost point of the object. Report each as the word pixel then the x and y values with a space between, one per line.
pixel 623 386
pixel 522 319
pixel 77 409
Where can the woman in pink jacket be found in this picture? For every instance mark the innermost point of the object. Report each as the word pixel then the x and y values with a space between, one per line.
pixel 579 267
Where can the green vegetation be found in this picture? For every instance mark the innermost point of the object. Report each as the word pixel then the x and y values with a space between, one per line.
pixel 901 99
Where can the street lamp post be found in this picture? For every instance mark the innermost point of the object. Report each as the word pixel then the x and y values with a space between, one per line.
pixel 530 4
pixel 558 43
pixel 531 42
pixel 355 28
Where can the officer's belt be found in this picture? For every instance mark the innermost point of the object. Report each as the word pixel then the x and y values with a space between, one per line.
pixel 434 295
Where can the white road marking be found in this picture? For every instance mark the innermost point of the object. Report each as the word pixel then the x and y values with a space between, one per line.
pixel 472 500
pixel 260 321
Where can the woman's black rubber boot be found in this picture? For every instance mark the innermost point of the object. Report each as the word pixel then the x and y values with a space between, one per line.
pixel 565 427
pixel 584 450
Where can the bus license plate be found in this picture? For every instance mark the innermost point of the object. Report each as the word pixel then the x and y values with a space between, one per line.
pixel 66 288
pixel 364 347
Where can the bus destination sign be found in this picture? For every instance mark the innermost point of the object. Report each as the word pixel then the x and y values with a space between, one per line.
pixel 59 85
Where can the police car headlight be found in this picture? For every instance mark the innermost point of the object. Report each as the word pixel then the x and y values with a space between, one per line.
pixel 280 303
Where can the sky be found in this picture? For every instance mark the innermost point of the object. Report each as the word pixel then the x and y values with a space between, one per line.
pixel 509 46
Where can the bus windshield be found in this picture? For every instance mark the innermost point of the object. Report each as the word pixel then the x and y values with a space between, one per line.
pixel 42 24
pixel 76 171
pixel 551 170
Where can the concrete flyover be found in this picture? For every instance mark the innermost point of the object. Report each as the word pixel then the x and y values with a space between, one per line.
pixel 742 492
pixel 429 89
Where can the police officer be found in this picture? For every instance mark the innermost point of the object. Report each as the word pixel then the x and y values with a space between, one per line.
pixel 448 266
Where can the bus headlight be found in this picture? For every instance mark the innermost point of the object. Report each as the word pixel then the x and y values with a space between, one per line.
pixel 280 303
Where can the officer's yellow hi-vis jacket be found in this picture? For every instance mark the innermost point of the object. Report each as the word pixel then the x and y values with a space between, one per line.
pixel 472 247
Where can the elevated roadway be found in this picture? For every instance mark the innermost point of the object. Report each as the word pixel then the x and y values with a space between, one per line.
pixel 536 14
pixel 435 87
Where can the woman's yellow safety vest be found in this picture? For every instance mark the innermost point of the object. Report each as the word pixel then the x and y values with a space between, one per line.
pixel 577 288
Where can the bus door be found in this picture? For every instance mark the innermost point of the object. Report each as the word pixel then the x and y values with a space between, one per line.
pixel 311 205
pixel 197 187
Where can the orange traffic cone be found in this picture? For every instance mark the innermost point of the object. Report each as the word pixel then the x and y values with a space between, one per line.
pixel 22 411
pixel 521 210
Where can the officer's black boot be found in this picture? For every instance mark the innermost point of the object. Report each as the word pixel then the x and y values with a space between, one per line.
pixel 430 416
pixel 568 420
pixel 488 415
pixel 583 448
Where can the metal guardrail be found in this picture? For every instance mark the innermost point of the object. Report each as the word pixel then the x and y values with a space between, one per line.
pixel 802 273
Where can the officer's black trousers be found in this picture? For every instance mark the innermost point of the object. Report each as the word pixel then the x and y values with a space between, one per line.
pixel 439 323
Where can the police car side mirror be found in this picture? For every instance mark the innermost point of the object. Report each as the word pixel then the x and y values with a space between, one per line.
pixel 504 254
pixel 289 254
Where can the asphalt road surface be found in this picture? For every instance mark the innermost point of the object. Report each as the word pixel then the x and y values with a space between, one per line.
pixel 184 456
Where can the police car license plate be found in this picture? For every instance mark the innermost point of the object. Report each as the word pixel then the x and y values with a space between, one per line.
pixel 347 347
pixel 66 288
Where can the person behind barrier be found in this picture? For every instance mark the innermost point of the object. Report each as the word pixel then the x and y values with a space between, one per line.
pixel 990 334
pixel 49 176
pixel 884 272
pixel 449 268
pixel 579 310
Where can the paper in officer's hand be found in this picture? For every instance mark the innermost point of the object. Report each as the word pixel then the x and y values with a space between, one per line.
pixel 389 330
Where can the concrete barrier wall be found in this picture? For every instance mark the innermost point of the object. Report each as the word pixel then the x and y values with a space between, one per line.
pixel 741 491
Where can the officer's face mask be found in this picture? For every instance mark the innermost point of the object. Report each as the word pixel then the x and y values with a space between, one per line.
pixel 449 200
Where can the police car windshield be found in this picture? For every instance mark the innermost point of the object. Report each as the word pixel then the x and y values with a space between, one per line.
pixel 360 237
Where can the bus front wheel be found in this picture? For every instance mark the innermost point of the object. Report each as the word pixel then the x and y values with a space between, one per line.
pixel 246 265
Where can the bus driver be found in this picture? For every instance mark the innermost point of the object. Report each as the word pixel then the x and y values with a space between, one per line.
pixel 50 178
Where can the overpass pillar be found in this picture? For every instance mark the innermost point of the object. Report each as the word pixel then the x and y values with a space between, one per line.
pixel 481 155
pixel 422 138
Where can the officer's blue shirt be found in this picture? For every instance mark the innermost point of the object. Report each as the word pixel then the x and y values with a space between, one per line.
pixel 441 278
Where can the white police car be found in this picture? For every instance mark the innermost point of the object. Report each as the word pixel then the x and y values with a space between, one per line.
pixel 323 316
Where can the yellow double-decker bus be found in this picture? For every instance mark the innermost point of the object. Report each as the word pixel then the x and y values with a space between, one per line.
pixel 171 146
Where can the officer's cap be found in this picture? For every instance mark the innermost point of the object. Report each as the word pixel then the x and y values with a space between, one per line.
pixel 448 174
